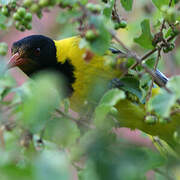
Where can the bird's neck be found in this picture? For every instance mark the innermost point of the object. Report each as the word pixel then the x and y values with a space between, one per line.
pixel 65 48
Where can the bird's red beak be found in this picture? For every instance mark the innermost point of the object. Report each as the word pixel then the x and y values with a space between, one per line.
pixel 16 60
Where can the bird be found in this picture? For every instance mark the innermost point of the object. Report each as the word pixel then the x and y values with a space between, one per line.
pixel 36 53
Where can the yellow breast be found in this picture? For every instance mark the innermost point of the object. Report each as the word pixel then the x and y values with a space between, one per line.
pixel 86 73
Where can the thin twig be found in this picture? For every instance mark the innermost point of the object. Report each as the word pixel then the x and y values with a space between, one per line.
pixel 73 119
pixel 149 93
pixel 138 60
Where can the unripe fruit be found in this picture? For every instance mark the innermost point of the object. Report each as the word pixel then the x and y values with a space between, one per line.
pixel 24 23
pixel 43 3
pixel 122 24
pixel 4 11
pixel 22 28
pixel 21 11
pixel 17 24
pixel 28 17
pixel 90 35
pixel 27 3
pixel 29 26
pixel 16 16
pixel 93 7
pixel 34 8
pixel 116 26
pixel 97 8
pixel 150 119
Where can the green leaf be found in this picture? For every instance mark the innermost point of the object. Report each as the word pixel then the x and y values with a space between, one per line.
pixel 51 165
pixel 127 4
pixel 174 85
pixel 160 3
pixel 108 8
pixel 38 106
pixel 62 131
pixel 150 62
pixel 145 39
pixel 101 44
pixel 162 103
pixel 101 113
pixel 132 85
pixel 105 107
pixel 112 97
pixel 118 160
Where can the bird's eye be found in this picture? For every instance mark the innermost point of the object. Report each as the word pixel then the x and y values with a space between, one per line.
pixel 37 51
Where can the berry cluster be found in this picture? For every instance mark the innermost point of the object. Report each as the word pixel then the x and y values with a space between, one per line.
pixel 22 19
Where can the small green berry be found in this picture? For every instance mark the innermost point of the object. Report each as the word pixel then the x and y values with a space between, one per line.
pixel 5 11
pixel 150 119
pixel 28 17
pixel 90 35
pixel 116 26
pixel 24 22
pixel 122 24
pixel 17 24
pixel 43 3
pixel 27 3
pixel 21 11
pixel 22 28
pixel 16 16
pixel 29 26
pixel 34 8
pixel 97 8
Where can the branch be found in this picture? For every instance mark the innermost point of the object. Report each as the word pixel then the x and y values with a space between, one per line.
pixel 138 60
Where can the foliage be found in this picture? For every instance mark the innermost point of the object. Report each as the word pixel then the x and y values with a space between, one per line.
pixel 40 138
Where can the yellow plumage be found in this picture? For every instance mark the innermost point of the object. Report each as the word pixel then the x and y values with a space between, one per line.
pixel 130 114
pixel 85 72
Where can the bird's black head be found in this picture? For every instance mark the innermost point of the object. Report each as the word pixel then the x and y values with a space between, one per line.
pixel 33 53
